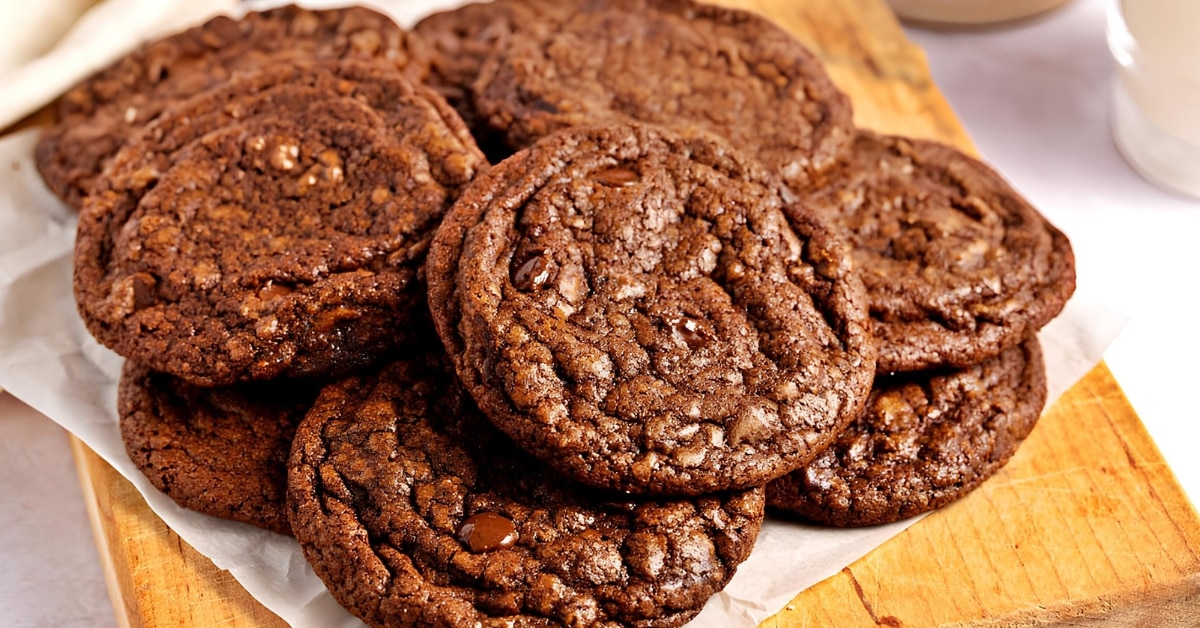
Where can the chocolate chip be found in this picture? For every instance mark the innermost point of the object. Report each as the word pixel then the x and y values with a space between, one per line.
pixel 690 332
pixel 620 506
pixel 330 320
pixel 285 155
pixel 487 531
pixel 533 274
pixel 544 106
pixel 617 177
pixel 273 291
pixel 143 291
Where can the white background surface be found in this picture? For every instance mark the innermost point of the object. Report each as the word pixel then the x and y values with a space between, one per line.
pixel 1034 96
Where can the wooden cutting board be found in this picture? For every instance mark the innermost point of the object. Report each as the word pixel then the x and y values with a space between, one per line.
pixel 1085 527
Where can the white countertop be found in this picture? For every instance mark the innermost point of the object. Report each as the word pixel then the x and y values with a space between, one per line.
pixel 1034 96
pixel 49 568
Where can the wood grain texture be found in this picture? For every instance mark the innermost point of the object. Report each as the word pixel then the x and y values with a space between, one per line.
pixel 154 578
pixel 867 55
pixel 1086 521
pixel 1085 527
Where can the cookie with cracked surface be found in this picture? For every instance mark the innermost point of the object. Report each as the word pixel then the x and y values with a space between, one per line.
pixel 416 511
pixel 99 114
pixel 279 245
pixel 219 451
pixel 633 308
pixel 925 440
pixel 672 62
pixel 958 265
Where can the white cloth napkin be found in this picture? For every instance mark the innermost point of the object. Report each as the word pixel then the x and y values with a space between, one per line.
pixel 97 38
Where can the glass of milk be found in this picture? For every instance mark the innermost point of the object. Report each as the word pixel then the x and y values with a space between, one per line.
pixel 1156 96
pixel 972 11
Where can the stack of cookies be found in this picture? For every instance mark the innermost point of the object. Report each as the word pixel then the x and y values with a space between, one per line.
pixel 562 387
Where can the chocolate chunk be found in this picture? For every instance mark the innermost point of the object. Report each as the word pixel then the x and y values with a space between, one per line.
pixel 689 330
pixel 487 531
pixel 617 177
pixel 533 274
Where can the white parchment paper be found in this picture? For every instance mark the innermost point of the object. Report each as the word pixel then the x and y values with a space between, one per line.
pixel 48 360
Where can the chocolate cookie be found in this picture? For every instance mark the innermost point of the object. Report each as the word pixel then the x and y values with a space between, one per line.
pixel 417 512
pixel 957 264
pixel 670 62
pixel 633 308
pixel 98 115
pixel 279 245
pixel 925 440
pixel 220 451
